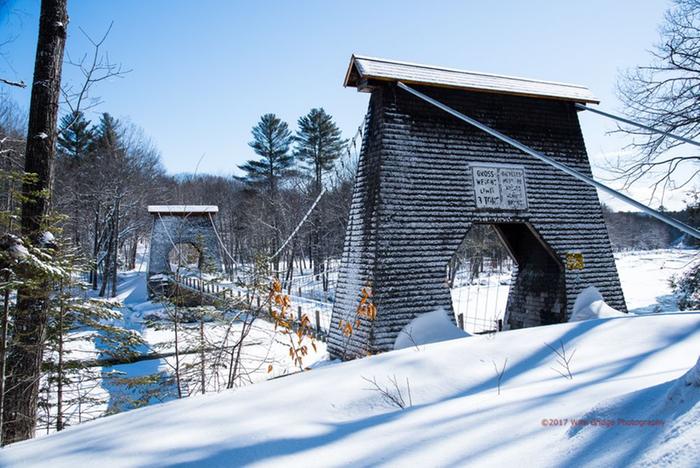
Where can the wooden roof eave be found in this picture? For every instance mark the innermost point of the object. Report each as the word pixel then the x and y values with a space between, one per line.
pixel 365 84
pixel 348 74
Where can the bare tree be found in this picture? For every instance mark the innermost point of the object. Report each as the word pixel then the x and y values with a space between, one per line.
pixel 392 393
pixel 563 360
pixel 499 373
pixel 664 95
pixel 94 68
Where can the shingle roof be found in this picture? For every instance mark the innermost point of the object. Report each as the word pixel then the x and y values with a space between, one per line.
pixel 363 68
pixel 183 209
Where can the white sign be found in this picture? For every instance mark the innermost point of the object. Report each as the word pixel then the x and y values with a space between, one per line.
pixel 499 187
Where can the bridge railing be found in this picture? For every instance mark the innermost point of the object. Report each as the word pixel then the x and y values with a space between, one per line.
pixel 319 312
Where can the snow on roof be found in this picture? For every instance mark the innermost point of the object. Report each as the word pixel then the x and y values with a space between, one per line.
pixel 182 209
pixel 362 69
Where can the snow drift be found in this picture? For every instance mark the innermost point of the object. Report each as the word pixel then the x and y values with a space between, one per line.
pixel 430 327
pixel 655 426
pixel 329 417
pixel 589 304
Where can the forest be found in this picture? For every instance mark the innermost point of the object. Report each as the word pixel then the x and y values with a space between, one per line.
pixel 107 172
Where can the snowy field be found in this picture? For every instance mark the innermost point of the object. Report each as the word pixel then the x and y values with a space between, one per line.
pixel 623 369
pixel 645 278
pixel 646 275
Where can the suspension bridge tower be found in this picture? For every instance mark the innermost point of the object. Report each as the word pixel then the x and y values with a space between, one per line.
pixel 425 177
pixel 183 236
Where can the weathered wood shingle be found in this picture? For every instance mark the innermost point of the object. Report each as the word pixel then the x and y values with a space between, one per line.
pixel 414 202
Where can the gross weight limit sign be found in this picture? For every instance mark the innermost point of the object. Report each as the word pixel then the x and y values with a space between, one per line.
pixel 499 187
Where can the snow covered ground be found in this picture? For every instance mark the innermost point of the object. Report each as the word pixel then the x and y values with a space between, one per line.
pixel 623 370
pixel 264 346
pixel 483 302
pixel 116 388
pixel 645 277
pixel 331 416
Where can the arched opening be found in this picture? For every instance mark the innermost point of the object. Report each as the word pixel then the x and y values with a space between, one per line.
pixel 184 257
pixel 538 290
pixel 479 276
pixel 503 275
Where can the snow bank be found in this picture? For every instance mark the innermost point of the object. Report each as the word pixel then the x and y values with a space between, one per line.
pixel 687 388
pixel 159 277
pixel 589 304
pixel 430 327
pixel 328 417
pixel 646 278
pixel 656 426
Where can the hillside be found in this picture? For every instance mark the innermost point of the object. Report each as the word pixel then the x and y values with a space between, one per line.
pixel 330 416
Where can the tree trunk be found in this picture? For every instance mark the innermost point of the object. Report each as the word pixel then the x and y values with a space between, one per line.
pixel 59 368
pixel 202 357
pixel 3 346
pixel 106 263
pixel 95 248
pixel 26 351
pixel 132 252
pixel 290 268
pixel 176 322
pixel 115 259
pixel 316 256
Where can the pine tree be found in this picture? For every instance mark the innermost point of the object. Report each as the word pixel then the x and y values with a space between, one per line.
pixel 75 318
pixel 107 135
pixel 271 141
pixel 319 145
pixel 108 153
pixel 75 136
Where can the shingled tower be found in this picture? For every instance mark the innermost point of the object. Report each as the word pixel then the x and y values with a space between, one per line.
pixel 181 224
pixel 425 177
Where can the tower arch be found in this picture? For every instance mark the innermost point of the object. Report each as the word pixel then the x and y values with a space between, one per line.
pixel 183 225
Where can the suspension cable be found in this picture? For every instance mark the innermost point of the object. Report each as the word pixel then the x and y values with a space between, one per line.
pixel 637 124
pixel 303 220
pixel 221 242
pixel 552 162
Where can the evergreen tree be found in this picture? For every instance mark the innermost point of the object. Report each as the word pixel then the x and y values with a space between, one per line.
pixel 73 145
pixel 75 318
pixel 107 134
pixel 75 136
pixel 319 144
pixel 271 141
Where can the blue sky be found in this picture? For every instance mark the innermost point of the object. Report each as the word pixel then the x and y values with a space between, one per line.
pixel 204 71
